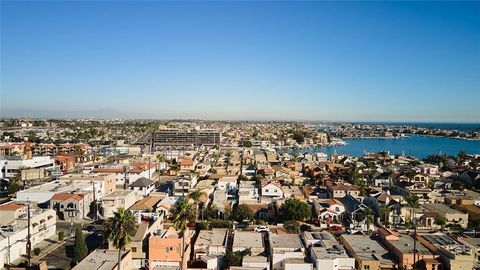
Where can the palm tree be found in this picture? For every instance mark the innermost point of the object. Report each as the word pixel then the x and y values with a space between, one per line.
pixel 385 211
pixel 228 155
pixel 413 203
pixel 368 217
pixel 175 167
pixel 196 196
pixel 184 213
pixel 119 228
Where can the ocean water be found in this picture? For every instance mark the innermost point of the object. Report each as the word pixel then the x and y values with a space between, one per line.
pixel 466 127
pixel 418 146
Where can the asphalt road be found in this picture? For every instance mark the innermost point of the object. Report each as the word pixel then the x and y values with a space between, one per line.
pixel 61 257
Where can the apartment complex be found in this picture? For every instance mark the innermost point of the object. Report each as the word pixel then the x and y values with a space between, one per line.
pixel 176 137
pixel 14 229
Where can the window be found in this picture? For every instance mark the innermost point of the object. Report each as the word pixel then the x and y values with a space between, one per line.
pixel 366 267
pixel 266 190
pixel 134 249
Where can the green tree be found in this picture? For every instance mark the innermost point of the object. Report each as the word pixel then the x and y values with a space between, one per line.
pixel 244 213
pixel 292 226
pixel 61 235
pixel 298 136
pixel 385 211
pixel 80 249
pixel 14 183
pixel 474 224
pixel 294 209
pixel 235 258
pixel 119 228
pixel 440 221
pixel 183 213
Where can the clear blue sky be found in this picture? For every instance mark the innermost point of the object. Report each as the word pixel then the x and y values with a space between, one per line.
pixel 242 60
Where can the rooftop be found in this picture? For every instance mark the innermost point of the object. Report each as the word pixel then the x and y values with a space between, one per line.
pixel 142 182
pixel 215 237
pixel 9 206
pixel 248 239
pixel 327 246
pixel 405 245
pixel 99 260
pixel 147 203
pixel 117 193
pixel 286 241
pixel 367 248
pixel 441 208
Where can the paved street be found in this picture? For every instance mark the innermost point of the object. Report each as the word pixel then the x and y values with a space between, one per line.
pixel 61 257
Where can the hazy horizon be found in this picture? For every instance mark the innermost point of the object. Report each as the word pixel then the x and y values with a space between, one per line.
pixel 324 61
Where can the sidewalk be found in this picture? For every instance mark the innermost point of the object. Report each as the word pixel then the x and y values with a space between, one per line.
pixel 48 245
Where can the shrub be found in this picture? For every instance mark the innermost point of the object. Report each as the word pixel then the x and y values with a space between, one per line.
pixel 36 251
pixel 220 223
pixel 61 235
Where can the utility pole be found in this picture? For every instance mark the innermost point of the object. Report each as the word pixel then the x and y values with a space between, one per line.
pixel 125 182
pixel 149 169
pixel 29 243
pixel 415 244
pixel 94 201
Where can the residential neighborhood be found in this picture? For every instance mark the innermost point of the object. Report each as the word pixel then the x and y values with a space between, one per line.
pixel 221 203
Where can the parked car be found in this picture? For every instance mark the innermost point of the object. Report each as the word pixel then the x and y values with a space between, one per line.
pixel 240 225
pixel 336 228
pixel 262 229
pixel 90 228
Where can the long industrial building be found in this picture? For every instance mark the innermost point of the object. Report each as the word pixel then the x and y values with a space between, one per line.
pixel 176 137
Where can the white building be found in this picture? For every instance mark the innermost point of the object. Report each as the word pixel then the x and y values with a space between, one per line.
pixel 118 199
pixel 272 189
pixel 129 172
pixel 248 192
pixel 10 167
pixel 210 242
pixel 328 254
pixel 44 192
pixel 182 184
pixel 13 230
pixel 143 186
pixel 285 246
pixel 228 183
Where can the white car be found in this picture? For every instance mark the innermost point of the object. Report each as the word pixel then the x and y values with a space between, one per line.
pixel 262 229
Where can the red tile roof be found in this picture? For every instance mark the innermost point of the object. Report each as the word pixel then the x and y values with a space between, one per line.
pixel 10 206
pixel 65 196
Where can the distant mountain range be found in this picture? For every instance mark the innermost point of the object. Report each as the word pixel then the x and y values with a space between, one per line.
pixel 63 114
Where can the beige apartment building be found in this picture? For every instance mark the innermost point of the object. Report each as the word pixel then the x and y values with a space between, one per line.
pixel 118 199
pixel 453 254
pixel 452 216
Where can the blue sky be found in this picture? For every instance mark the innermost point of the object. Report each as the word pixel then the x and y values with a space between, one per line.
pixel 395 61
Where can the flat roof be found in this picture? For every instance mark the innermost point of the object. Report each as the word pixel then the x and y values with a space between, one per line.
pixel 99 259
pixel 117 193
pixel 215 237
pixel 286 241
pixel 326 247
pixel 367 248
pixel 248 239
pixel 441 208
pixel 59 186
pixel 405 245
